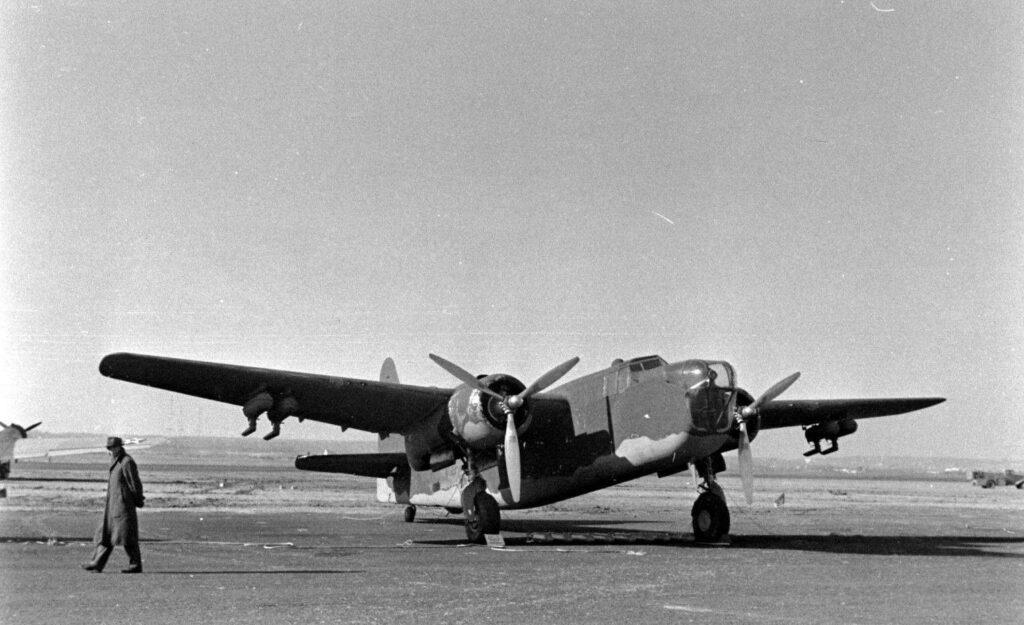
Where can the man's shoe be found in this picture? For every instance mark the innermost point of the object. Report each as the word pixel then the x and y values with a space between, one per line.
pixel 132 569
pixel 95 568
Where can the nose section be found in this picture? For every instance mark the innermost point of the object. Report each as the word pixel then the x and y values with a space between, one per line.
pixel 708 389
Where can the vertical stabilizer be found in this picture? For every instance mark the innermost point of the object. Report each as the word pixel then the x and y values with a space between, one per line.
pixel 389 442
pixel 388 371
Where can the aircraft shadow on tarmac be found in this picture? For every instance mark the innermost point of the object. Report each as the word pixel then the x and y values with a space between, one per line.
pixel 272 572
pixel 528 532
pixel 974 546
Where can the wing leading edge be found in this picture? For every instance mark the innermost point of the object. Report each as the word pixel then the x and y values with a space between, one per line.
pixel 787 413
pixel 379 407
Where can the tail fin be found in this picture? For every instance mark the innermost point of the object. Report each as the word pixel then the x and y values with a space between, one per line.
pixel 388 371
pixel 390 442
pixel 386 487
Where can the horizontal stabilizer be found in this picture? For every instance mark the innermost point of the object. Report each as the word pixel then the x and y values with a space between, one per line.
pixel 367 465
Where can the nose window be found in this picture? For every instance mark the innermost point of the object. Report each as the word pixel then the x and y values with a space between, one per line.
pixel 710 392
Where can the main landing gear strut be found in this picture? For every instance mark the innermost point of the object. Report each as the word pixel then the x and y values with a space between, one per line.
pixel 481 510
pixel 710 513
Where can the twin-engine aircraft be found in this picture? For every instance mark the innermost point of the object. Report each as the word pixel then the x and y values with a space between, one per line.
pixel 493 442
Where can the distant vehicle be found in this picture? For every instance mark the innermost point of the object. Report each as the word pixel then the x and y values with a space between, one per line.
pixel 988 479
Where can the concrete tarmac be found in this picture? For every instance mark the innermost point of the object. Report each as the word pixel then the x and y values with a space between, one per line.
pixel 871 552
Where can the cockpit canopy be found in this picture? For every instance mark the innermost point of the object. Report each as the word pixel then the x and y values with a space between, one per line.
pixel 633 371
pixel 710 386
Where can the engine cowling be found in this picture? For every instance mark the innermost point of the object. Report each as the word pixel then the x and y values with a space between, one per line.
pixel 478 419
pixel 830 430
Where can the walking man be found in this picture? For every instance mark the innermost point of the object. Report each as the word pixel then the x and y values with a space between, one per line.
pixel 120 524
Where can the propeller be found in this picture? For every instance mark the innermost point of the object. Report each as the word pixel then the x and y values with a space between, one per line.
pixel 513 467
pixel 23 429
pixel 745 414
pixel 509 403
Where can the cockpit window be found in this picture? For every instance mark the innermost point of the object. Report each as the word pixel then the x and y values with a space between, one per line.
pixel 632 372
pixel 646 363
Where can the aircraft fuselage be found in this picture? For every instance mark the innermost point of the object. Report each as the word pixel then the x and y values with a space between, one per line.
pixel 635 418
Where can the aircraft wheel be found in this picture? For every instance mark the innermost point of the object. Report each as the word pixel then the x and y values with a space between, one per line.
pixel 483 518
pixel 710 518
pixel 410 514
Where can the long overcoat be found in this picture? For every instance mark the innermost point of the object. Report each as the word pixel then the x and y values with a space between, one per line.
pixel 120 524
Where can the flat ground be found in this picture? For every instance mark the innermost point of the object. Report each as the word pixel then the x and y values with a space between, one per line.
pixel 264 543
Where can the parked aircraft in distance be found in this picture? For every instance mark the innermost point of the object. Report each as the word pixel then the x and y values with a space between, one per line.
pixel 49 448
pixel 10 435
pixel 494 442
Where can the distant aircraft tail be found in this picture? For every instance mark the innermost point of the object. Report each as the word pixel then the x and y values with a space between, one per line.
pixel 10 435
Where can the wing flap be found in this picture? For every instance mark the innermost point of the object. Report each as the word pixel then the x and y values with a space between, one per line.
pixel 787 413
pixel 367 405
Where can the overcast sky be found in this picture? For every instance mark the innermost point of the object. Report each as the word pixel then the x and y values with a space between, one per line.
pixel 834 188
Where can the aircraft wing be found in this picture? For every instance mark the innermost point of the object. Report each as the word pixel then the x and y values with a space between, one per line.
pixel 379 407
pixel 787 413
pixel 35 452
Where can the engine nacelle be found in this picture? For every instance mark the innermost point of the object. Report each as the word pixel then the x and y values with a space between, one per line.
pixel 828 431
pixel 277 409
pixel 478 419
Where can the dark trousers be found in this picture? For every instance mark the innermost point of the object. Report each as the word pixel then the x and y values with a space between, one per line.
pixel 102 553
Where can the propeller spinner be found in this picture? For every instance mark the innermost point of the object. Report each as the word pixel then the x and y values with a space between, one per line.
pixel 509 403
pixel 742 416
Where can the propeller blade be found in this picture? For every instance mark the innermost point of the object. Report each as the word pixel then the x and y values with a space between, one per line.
pixel 512 467
pixel 743 447
pixel 777 389
pixel 746 464
pixel 463 376
pixel 33 426
pixel 543 382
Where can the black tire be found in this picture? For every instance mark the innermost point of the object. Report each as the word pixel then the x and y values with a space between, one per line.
pixel 483 519
pixel 410 514
pixel 710 518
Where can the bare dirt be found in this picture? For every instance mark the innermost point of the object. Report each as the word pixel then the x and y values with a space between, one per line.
pixel 265 543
